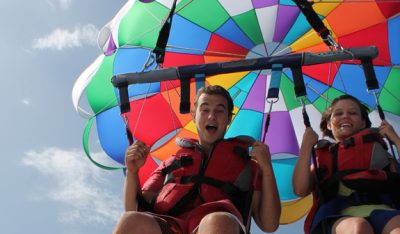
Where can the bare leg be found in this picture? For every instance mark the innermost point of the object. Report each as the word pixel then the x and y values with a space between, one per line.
pixel 352 225
pixel 219 223
pixel 137 222
pixel 393 226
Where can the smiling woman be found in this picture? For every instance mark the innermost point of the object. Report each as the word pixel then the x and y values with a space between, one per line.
pixel 354 179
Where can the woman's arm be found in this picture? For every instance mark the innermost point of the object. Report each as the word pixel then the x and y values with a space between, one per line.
pixel 302 178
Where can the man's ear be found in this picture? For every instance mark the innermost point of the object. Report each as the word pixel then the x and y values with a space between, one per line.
pixel 328 125
pixel 230 117
pixel 193 113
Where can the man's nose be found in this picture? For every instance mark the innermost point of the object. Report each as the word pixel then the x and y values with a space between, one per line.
pixel 211 115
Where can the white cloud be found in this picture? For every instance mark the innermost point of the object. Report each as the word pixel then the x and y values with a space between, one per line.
pixel 61 39
pixel 79 184
pixel 26 101
pixel 64 4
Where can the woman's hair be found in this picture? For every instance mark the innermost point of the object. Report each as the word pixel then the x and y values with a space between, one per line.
pixel 215 90
pixel 326 115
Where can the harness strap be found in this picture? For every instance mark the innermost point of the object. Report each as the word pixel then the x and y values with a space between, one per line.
pixel 177 163
pixel 364 198
pixel 228 188
pixel 332 183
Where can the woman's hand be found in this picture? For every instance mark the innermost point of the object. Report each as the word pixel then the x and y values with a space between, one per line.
pixel 310 138
pixel 386 130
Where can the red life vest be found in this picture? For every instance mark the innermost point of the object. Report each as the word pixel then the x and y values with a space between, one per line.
pixel 193 178
pixel 360 162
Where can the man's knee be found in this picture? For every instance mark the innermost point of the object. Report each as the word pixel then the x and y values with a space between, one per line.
pixel 220 222
pixel 220 217
pixel 135 222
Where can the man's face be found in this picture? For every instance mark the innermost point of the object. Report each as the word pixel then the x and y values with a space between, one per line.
pixel 212 118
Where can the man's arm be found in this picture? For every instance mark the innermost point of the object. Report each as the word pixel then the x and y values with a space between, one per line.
pixel 130 190
pixel 135 157
pixel 266 203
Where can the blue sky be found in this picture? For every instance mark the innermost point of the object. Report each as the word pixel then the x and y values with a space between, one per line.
pixel 48 185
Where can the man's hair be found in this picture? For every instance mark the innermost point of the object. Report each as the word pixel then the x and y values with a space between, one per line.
pixel 326 115
pixel 215 90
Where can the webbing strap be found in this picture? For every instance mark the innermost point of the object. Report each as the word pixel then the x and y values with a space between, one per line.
pixel 124 98
pixel 369 72
pixel 184 106
pixel 273 90
pixel 299 87
pixel 162 40
pixel 228 188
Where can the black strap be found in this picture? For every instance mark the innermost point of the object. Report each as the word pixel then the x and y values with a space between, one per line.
pixel 313 19
pixel 177 163
pixel 143 204
pixel 299 87
pixel 184 106
pixel 124 98
pixel 369 72
pixel 163 36
pixel 227 187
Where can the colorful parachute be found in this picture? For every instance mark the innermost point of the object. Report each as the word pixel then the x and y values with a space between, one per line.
pixel 204 31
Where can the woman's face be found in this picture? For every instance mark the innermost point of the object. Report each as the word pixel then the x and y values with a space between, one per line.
pixel 345 119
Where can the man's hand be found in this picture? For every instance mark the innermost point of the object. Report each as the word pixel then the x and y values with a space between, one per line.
pixel 135 156
pixel 261 154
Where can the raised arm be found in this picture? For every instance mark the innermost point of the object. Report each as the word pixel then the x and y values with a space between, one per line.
pixel 387 131
pixel 135 158
pixel 266 203
pixel 302 177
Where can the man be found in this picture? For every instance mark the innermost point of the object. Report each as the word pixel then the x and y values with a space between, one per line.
pixel 209 186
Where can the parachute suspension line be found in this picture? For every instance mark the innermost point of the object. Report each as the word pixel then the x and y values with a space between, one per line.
pixel 319 93
pixel 301 93
pixel 307 124
pixel 171 110
pixel 268 120
pixel 141 109
pixel 382 116
pixel 184 6
pixel 372 84
pixel 209 52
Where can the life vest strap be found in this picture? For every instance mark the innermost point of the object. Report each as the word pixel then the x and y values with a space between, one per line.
pixel 368 198
pixel 183 161
pixel 226 187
